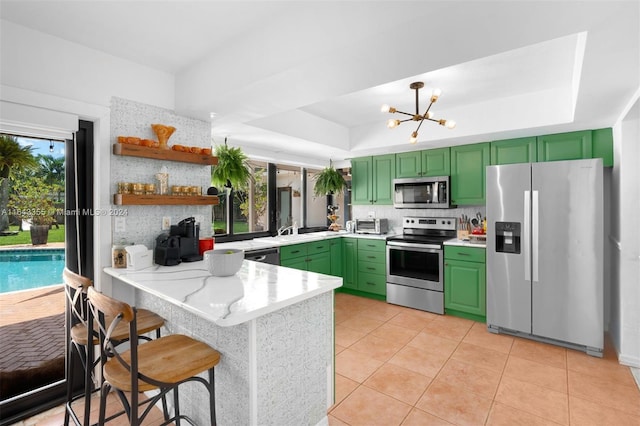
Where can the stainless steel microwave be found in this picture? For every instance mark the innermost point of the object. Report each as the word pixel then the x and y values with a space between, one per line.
pixel 421 193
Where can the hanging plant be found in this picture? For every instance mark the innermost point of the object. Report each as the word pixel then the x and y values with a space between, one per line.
pixel 328 181
pixel 233 169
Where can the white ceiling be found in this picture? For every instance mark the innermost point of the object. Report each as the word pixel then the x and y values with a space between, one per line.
pixel 305 79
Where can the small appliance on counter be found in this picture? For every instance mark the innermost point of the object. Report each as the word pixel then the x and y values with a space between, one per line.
pixel 372 226
pixel 180 245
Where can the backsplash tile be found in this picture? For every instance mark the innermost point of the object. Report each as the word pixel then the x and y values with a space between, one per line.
pixel 395 215
pixel 144 223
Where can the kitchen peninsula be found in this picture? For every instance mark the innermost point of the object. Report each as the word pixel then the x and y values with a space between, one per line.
pixel 272 325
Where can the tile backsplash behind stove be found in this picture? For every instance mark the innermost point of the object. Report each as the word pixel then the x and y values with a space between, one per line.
pixel 395 215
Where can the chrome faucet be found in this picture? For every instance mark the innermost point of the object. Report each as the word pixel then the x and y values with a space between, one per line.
pixel 283 229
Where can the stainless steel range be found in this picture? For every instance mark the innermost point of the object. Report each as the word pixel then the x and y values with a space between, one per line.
pixel 415 263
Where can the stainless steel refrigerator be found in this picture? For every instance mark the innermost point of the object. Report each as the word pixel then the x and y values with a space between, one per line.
pixel 545 252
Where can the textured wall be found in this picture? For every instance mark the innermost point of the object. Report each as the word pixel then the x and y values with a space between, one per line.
pixel 289 350
pixel 144 223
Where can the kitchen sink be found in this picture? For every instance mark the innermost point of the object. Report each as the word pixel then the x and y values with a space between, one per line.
pixel 288 239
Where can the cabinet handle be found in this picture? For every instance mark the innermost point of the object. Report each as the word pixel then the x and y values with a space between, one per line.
pixel 463 254
pixel 371 257
pixel 370 283
pixel 295 251
pixel 371 268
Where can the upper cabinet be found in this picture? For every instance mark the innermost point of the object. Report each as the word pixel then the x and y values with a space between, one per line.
pixel 468 164
pixel 372 179
pixel 511 151
pixel 430 162
pixel 565 146
pixel 603 145
pixel 361 180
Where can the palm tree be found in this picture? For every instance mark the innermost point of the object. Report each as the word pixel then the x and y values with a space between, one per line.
pixel 52 171
pixel 12 155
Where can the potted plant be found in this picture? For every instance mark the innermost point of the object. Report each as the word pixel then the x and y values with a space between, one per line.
pixel 31 201
pixel 233 169
pixel 328 181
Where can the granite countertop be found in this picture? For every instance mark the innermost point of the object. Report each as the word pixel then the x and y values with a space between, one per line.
pixel 283 240
pixel 257 289
pixel 464 243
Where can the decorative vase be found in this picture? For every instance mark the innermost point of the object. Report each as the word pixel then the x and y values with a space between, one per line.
pixel 163 133
pixel 334 225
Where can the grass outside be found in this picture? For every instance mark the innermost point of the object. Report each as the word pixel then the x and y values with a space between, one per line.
pixel 24 237
pixel 238 227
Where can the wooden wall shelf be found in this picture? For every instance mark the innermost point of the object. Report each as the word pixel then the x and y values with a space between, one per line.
pixel 163 154
pixel 167 200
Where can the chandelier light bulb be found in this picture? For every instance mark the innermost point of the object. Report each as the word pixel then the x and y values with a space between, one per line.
pixel 414 138
pixel 417 117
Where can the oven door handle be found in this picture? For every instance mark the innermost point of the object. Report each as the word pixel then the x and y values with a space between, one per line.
pixel 420 247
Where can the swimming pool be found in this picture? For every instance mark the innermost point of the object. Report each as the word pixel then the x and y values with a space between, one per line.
pixel 27 269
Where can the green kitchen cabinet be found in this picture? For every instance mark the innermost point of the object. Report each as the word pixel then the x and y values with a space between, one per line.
pixel 320 263
pixel 372 268
pixel 465 282
pixel 430 162
pixel 361 180
pixel 293 254
pixel 602 140
pixel 350 265
pixel 408 164
pixel 372 179
pixel 565 146
pixel 511 151
pixel 468 164
pixel 313 256
pixel 336 249
pixel 436 162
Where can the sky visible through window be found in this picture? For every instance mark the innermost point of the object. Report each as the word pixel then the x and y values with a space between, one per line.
pixel 41 146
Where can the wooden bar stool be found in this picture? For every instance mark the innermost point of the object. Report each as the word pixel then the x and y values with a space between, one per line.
pixel 162 364
pixel 76 287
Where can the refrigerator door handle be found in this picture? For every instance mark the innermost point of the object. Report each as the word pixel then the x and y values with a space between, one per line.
pixel 535 233
pixel 526 236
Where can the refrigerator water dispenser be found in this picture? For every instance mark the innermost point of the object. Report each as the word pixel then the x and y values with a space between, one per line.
pixel 508 237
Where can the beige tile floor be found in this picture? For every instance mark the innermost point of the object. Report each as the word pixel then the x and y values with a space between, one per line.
pixel 399 366
pixel 55 416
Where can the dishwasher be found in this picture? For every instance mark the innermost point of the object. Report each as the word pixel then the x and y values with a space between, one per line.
pixel 269 255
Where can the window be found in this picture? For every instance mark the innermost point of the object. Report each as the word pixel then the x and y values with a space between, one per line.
pixel 250 203
pixel 316 205
pixel 288 196
pixel 280 196
pixel 249 207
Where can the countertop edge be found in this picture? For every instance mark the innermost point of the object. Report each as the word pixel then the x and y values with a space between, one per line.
pixel 329 283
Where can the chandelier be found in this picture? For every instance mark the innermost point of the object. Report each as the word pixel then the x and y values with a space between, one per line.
pixel 428 115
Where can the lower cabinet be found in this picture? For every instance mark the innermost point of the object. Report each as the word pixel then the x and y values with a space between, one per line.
pixel 465 282
pixel 361 262
pixel 336 249
pixel 350 265
pixel 372 266
pixel 314 256
pixel 364 269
